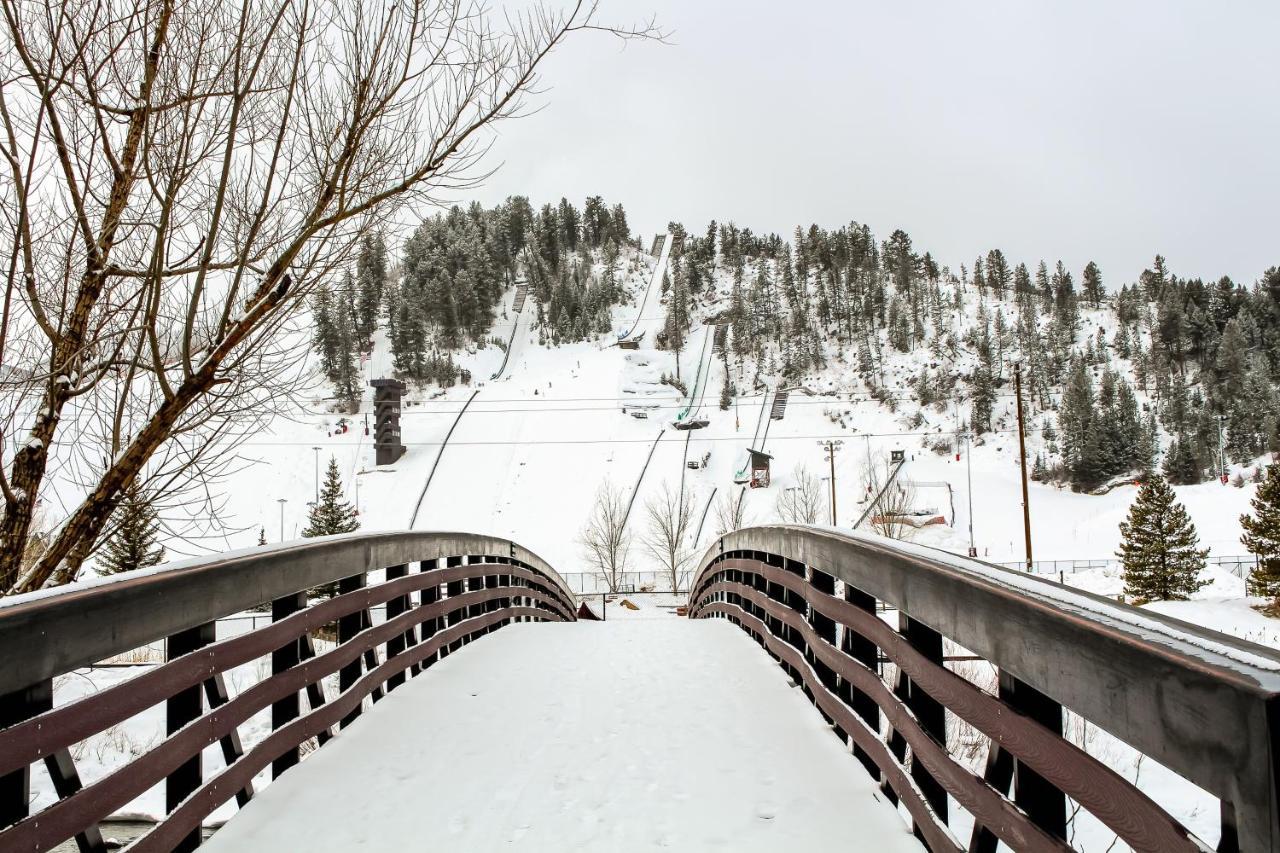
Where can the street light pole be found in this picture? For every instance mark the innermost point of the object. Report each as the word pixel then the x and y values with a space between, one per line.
pixel 1222 462
pixel 968 462
pixel 317 450
pixel 282 502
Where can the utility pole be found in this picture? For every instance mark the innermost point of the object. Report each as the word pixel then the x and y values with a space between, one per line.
pixel 1022 459
pixel 831 447
pixel 282 502
pixel 317 450
pixel 968 461
pixel 1222 462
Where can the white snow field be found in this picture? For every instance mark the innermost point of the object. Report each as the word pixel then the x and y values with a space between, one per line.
pixel 622 735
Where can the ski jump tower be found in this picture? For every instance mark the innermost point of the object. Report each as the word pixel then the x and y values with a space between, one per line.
pixel 386 412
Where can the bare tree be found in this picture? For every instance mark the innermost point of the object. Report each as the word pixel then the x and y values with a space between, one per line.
pixel 731 512
pixel 604 538
pixel 892 502
pixel 803 502
pixel 177 178
pixel 669 515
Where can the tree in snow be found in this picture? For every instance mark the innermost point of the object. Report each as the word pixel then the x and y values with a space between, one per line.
pixel 1262 535
pixel 669 515
pixel 731 512
pixel 604 538
pixel 892 504
pixel 803 502
pixel 133 545
pixel 330 515
pixel 1159 547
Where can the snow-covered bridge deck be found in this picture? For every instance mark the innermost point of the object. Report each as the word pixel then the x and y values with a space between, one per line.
pixel 622 735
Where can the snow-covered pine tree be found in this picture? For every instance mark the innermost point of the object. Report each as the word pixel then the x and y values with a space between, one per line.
pixel 133 545
pixel 1159 547
pixel 331 514
pixel 1262 535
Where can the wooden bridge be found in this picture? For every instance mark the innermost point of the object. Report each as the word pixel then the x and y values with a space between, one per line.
pixel 558 735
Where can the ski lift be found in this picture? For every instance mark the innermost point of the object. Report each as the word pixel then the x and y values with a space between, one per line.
pixel 696 423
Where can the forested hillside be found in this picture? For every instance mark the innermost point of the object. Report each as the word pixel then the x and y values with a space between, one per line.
pixel 1118 381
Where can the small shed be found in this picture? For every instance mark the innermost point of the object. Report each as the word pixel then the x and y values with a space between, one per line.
pixel 759 468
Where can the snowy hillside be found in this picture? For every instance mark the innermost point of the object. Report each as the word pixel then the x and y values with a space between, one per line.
pixel 528 456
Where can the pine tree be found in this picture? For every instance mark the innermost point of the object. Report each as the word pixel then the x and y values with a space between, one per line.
pixel 331 514
pixel 726 391
pixel 133 545
pixel 1262 535
pixel 262 536
pixel 1159 547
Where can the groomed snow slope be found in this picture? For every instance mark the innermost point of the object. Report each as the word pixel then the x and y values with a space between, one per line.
pixel 623 735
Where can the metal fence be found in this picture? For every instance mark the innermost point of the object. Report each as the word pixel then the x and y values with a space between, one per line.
pixel 590 583
pixel 1239 565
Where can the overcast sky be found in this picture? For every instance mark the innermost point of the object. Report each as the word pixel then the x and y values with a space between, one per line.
pixel 1076 130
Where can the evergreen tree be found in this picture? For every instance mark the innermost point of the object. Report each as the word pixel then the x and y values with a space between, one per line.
pixel 1262 535
pixel 1091 282
pixel 984 398
pixel 371 275
pixel 1159 547
pixel 262 536
pixel 133 545
pixel 726 391
pixel 332 514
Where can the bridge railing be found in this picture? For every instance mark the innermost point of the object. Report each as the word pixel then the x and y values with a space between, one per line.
pixel 440 591
pixel 1197 702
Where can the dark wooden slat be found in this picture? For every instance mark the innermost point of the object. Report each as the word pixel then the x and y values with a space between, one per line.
pixel 213 794
pixel 315 690
pixel 215 693
pixel 108 794
pixel 66 782
pixel 25 742
pixel 1011 825
pixel 1112 799
pixel 937 835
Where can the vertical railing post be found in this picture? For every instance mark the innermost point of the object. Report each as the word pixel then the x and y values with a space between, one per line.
pixel 454 616
pixel 822 583
pixel 929 712
pixel 15 787
pixel 348 626
pixel 395 607
pixel 1043 803
pixel 865 652
pixel 181 708
pixel 428 596
pixel 287 656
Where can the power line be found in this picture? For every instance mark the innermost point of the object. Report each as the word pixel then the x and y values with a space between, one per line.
pixel 591 441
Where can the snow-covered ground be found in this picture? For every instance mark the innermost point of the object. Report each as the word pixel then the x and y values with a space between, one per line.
pixel 529 455
pixel 623 735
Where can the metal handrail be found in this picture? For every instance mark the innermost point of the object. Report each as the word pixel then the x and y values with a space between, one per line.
pixel 440 591
pixel 1202 704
